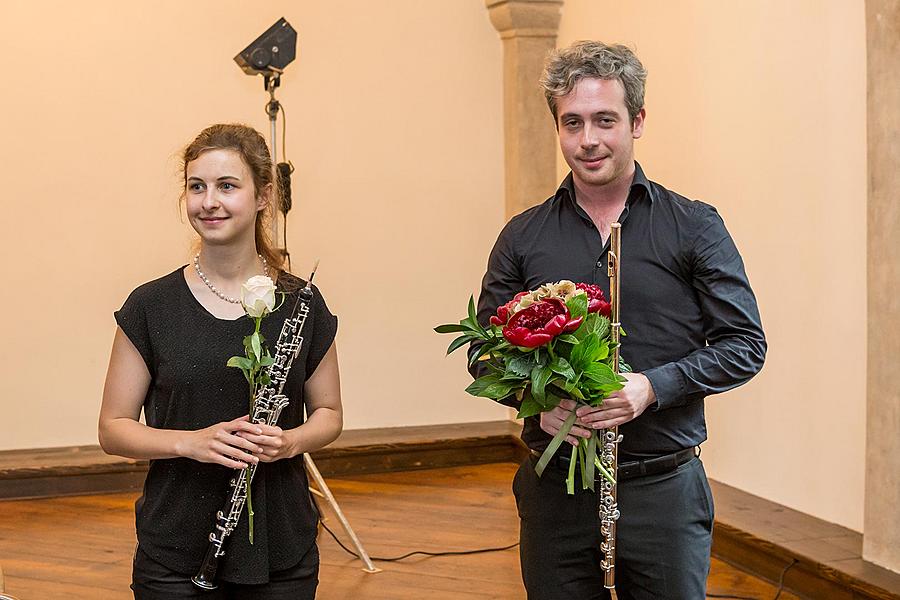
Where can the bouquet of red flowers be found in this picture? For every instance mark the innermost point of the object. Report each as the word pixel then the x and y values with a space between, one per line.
pixel 542 346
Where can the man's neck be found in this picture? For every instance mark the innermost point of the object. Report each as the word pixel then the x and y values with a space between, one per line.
pixel 607 197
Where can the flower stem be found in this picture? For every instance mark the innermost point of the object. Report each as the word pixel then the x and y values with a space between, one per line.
pixel 570 480
pixel 557 440
pixel 603 470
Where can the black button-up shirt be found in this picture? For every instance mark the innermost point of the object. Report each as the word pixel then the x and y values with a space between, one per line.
pixel 691 319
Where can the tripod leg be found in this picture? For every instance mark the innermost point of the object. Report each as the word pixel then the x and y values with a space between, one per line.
pixel 323 487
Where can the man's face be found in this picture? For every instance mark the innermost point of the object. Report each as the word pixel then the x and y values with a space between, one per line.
pixel 596 134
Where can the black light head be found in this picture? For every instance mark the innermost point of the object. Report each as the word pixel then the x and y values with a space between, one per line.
pixel 271 52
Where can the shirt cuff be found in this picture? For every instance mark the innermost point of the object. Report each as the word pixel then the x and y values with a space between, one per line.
pixel 668 385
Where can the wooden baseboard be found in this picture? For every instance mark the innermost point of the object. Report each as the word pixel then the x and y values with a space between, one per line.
pixel 751 533
pixel 825 559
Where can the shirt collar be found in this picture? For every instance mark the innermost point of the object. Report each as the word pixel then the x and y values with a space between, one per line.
pixel 567 187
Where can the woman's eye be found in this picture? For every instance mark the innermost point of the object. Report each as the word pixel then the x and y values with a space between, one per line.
pixel 195 187
pixel 227 186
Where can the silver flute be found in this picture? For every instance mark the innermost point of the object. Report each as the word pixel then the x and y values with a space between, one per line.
pixel 609 453
pixel 267 407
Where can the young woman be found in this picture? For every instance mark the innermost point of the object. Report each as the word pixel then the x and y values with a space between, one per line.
pixel 174 337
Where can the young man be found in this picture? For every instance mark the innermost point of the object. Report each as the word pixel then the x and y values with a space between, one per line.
pixel 693 330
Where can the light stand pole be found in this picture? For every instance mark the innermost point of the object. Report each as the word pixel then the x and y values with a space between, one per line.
pixel 268 55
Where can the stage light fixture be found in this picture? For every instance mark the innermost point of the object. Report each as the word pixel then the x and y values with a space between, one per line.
pixel 271 52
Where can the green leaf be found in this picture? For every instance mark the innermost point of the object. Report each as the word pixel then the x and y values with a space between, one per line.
pixel 554 444
pixel 521 365
pixel 551 400
pixel 601 326
pixel 490 386
pixel 600 373
pixel 529 408
pixel 450 328
pixel 473 318
pixel 257 345
pixel 568 338
pixel 582 354
pixel 590 455
pixel 562 366
pixel 539 378
pixel 240 362
pixel 482 350
pixel 482 382
pixel 578 305
pixel 471 308
pixel 458 343
pixel 266 361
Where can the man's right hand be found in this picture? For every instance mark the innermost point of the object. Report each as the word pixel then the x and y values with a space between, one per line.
pixel 552 420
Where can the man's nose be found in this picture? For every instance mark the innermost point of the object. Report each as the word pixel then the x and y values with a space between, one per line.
pixel 589 137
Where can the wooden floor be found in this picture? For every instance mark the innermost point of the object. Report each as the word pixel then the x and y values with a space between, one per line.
pixel 80 547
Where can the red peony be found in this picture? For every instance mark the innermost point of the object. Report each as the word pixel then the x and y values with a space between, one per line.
pixel 539 323
pixel 596 299
pixel 504 311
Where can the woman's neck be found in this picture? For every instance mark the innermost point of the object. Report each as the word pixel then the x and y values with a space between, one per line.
pixel 229 263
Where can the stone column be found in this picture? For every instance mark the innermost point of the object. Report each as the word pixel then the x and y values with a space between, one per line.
pixel 881 533
pixel 528 29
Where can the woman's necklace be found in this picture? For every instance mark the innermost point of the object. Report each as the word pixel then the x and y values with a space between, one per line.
pixel 214 289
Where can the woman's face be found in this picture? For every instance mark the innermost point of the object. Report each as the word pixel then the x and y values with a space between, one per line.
pixel 220 199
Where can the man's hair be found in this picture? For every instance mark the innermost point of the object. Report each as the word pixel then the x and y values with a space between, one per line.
pixel 566 66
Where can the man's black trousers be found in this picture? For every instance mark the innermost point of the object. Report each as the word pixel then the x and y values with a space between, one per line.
pixel 663 540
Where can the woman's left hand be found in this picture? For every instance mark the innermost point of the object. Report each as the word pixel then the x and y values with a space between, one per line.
pixel 274 442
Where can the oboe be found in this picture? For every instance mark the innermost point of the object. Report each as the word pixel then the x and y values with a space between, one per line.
pixel 267 406
pixel 609 507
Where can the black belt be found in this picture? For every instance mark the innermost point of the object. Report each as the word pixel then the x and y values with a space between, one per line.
pixel 633 468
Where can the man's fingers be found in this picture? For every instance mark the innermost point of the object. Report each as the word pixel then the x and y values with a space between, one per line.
pixel 581 432
pixel 568 404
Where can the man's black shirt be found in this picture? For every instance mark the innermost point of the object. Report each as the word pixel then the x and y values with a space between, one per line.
pixel 691 319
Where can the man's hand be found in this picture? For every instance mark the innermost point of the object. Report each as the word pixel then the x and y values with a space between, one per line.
pixel 622 406
pixel 552 420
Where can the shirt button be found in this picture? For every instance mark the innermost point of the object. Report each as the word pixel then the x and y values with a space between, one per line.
pixel 599 264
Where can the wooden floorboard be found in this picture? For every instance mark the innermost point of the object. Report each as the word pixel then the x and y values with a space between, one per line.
pixel 79 548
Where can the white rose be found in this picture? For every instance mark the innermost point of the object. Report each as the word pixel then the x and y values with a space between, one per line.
pixel 258 296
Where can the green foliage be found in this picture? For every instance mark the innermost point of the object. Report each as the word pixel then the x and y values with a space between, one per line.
pixel 578 306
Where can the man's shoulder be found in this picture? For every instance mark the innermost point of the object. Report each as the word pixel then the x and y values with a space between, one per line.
pixel 678 204
pixel 532 216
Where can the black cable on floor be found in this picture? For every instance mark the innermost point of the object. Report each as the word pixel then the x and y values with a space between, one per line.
pixel 511 546
pixel 414 552
pixel 777 593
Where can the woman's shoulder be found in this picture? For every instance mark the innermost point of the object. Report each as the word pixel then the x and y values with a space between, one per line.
pixel 159 288
pixel 291 284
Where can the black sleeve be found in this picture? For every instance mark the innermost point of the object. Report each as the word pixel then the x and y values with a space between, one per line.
pixel 736 346
pixel 132 319
pixel 502 281
pixel 324 329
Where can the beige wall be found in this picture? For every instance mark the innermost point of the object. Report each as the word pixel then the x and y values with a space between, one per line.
pixel 759 108
pixel 394 125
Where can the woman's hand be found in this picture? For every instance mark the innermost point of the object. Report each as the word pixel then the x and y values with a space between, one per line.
pixel 272 442
pixel 222 444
